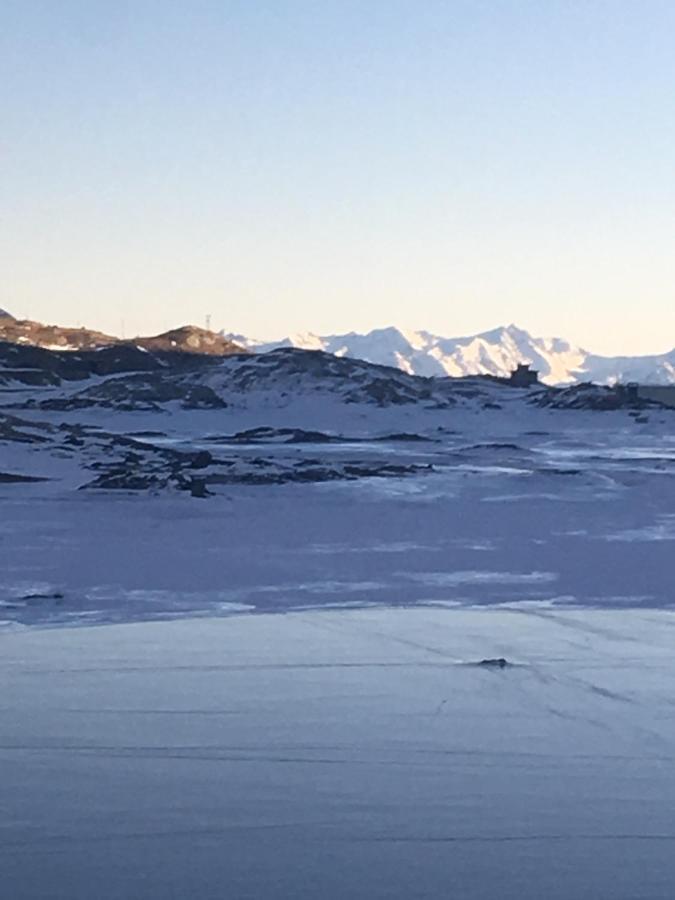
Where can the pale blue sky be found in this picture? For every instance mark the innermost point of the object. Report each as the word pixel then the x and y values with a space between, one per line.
pixel 329 166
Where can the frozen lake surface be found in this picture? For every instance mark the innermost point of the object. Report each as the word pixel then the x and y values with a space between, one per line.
pixel 333 754
pixel 582 518
pixel 242 614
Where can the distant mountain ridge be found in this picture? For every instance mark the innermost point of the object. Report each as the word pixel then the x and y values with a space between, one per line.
pixel 187 339
pixel 495 352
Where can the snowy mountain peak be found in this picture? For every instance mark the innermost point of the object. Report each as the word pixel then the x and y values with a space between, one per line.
pixel 494 352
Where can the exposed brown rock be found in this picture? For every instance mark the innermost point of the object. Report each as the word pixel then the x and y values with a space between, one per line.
pixel 188 339
pixel 53 337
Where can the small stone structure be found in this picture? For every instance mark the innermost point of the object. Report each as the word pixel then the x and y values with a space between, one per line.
pixel 524 376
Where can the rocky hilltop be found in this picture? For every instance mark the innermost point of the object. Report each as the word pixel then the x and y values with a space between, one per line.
pixel 188 339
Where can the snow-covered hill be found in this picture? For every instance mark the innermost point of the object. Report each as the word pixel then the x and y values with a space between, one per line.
pixel 495 352
pixel 124 378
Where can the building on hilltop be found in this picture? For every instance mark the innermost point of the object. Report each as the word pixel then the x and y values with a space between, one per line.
pixel 524 376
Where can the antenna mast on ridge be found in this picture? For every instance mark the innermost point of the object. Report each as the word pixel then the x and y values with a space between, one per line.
pixel 208 321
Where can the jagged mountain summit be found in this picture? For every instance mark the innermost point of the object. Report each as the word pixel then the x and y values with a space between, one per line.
pixel 496 352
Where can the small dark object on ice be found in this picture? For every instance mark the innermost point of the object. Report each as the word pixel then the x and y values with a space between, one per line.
pixel 197 488
pixel 498 663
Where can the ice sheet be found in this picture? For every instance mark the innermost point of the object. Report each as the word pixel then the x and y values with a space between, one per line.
pixel 359 754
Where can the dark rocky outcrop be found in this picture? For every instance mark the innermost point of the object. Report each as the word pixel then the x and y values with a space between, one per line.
pixel 592 397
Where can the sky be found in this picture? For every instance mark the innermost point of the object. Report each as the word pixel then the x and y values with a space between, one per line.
pixel 341 165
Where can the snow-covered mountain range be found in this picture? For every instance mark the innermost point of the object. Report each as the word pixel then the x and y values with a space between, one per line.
pixel 495 352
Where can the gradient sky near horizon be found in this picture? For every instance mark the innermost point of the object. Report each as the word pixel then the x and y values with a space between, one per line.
pixel 341 165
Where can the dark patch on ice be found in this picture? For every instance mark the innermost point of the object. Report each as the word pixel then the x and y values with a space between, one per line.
pixel 494 663
pixel 264 435
pixel 147 434
pixel 22 432
pixel 496 446
pixel 268 434
pixel 405 436
pixel 12 478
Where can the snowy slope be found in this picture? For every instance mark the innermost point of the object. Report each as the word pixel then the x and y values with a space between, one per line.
pixel 495 352
pixel 658 369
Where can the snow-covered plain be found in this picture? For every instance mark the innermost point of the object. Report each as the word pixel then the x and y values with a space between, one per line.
pixel 579 516
pixel 246 663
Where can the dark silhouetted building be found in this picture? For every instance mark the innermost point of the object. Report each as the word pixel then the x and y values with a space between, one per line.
pixel 524 376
